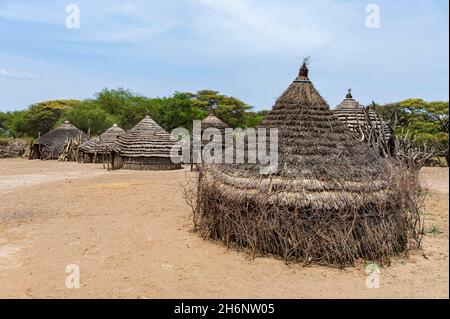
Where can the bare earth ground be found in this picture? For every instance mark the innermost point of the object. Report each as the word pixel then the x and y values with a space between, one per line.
pixel 131 236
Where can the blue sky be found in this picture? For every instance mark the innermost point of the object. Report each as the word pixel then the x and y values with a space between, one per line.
pixel 250 49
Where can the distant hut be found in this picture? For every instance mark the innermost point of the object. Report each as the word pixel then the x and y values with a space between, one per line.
pixel 331 201
pixel 147 146
pixel 212 121
pixel 356 116
pixel 99 148
pixel 50 145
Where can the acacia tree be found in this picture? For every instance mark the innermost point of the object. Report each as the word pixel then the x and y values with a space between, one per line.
pixel 426 121
pixel 229 109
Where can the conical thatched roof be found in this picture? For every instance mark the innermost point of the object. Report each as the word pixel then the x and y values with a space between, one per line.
pixel 320 161
pixel 50 145
pixel 354 115
pixel 332 200
pixel 212 121
pixel 102 143
pixel 146 139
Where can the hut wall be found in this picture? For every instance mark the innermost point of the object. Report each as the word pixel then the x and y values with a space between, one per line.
pixel 99 159
pixel 149 163
pixel 117 161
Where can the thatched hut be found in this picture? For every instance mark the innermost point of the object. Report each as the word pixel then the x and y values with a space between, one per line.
pixel 332 201
pixel 356 116
pixel 99 148
pixel 212 121
pixel 206 134
pixel 147 146
pixel 50 145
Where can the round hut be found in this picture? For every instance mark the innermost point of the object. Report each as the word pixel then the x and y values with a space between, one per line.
pixel 332 200
pixel 147 146
pixel 212 121
pixel 356 116
pixel 98 149
pixel 50 145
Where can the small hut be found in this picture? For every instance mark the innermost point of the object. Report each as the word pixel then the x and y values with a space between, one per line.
pixel 212 121
pixel 332 201
pixel 357 117
pixel 99 148
pixel 50 145
pixel 147 146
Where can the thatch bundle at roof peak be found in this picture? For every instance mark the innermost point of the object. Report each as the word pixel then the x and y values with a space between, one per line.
pixel 147 146
pixel 331 201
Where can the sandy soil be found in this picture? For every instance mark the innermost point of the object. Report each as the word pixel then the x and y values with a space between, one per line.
pixel 131 236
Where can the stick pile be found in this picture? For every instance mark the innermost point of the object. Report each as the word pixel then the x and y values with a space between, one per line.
pixel 12 148
pixel 71 151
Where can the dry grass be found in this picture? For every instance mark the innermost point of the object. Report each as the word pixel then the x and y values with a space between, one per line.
pixel 376 230
pixel 332 201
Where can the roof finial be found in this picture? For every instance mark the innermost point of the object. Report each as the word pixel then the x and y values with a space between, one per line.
pixel 212 105
pixel 349 94
pixel 304 69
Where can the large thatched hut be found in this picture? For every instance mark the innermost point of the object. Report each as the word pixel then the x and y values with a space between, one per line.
pixel 51 144
pixel 147 146
pixel 332 200
pixel 357 117
pixel 99 148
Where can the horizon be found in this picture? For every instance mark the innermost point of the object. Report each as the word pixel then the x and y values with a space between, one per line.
pixel 247 49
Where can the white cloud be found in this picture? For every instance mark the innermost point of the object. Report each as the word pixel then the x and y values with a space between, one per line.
pixel 222 27
pixel 17 75
pixel 249 27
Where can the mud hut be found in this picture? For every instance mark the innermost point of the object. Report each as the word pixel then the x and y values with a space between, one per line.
pixel 50 145
pixel 147 146
pixel 357 117
pixel 98 149
pixel 332 200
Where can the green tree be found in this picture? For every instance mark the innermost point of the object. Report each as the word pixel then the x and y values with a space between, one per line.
pixel 228 109
pixel 178 111
pixel 15 123
pixel 115 101
pixel 38 121
pixel 428 121
pixel 89 116
pixel 42 117
pixel 3 124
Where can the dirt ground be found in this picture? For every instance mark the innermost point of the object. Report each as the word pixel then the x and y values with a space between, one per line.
pixel 130 234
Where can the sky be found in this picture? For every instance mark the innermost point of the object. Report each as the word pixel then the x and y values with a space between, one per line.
pixel 250 49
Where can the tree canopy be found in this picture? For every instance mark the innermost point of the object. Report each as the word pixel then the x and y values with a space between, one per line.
pixel 126 108
pixel 428 121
